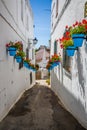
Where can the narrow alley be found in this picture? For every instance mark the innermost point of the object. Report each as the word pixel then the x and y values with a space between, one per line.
pixel 39 109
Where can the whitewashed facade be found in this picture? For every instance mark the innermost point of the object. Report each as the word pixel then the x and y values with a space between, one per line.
pixel 42 57
pixel 16 24
pixel 70 86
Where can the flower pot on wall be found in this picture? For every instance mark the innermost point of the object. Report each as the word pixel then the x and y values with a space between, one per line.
pixel 56 63
pixel 78 39
pixel 26 65
pixel 12 51
pixel 70 50
pixel 18 59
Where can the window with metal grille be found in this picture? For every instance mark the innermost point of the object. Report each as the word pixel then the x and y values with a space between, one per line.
pixel 31 78
pixel 85 10
pixel 66 61
pixel 55 47
pixel 21 64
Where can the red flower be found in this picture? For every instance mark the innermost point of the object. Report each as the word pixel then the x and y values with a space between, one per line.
pixel 66 27
pixel 76 23
pixel 84 21
pixel 86 27
pixel 61 46
pixel 67 33
pixel 73 25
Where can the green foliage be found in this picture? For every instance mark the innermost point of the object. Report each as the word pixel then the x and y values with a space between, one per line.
pixel 20 53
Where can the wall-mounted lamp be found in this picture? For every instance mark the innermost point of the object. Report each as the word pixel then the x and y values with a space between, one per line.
pixel 35 41
pixel 32 41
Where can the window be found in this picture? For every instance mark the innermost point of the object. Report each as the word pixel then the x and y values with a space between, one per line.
pixel 56 8
pixel 21 64
pixel 22 10
pixel 66 61
pixel 55 47
pixel 33 53
pixel 27 53
pixel 31 78
pixel 85 10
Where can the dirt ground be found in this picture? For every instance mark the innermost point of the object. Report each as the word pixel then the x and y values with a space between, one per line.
pixel 39 109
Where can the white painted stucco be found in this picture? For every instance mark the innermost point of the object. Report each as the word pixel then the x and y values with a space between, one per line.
pixel 72 91
pixel 13 81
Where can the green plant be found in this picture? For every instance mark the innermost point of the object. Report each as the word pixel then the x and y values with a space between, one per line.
pixel 20 53
pixel 48 81
pixel 56 58
pixel 27 60
pixel 79 27
pixel 17 45
pixel 66 40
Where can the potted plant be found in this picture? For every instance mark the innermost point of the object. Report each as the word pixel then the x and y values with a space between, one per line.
pixel 19 56
pixel 26 63
pixel 19 45
pixel 56 59
pixel 49 66
pixel 13 47
pixel 78 31
pixel 66 42
pixel 32 66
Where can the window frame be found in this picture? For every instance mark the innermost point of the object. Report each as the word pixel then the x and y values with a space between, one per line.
pixel 85 10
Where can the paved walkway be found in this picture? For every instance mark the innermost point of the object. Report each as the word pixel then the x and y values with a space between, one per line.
pixel 42 82
pixel 39 109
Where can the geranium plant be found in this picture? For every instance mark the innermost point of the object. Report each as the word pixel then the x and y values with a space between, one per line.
pixel 79 27
pixel 66 40
pixel 17 45
pixel 56 58
pixel 27 60
pixel 21 54
pixel 54 61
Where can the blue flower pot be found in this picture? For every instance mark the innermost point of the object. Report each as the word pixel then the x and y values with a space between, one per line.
pixel 26 64
pixel 18 59
pixel 56 63
pixel 34 70
pixel 78 39
pixel 12 51
pixel 70 50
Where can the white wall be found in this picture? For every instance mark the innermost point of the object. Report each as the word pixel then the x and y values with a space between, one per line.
pixel 72 92
pixel 13 81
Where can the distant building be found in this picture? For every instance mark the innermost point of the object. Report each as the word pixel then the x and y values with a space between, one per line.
pixel 16 24
pixel 69 79
pixel 42 57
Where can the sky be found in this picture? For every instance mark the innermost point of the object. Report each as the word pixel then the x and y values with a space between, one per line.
pixel 42 12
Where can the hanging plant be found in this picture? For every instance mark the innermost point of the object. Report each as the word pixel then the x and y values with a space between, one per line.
pixel 19 56
pixel 54 61
pixel 13 47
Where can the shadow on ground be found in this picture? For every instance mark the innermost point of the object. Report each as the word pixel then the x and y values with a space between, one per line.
pixel 39 109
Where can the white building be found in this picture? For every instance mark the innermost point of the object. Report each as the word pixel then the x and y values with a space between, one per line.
pixel 69 80
pixel 16 24
pixel 42 57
